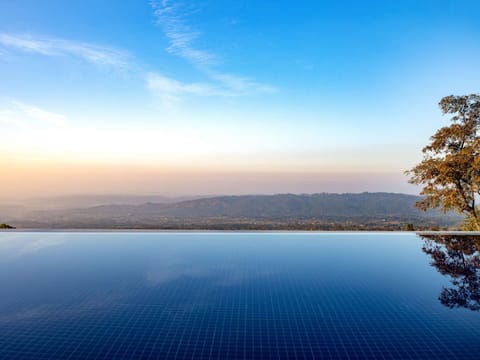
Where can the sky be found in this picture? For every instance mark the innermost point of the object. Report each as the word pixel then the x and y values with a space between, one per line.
pixel 226 97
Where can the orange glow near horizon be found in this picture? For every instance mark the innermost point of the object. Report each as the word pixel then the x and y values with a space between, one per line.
pixel 23 180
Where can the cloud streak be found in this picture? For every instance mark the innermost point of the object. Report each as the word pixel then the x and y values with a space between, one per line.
pixel 37 113
pixel 172 18
pixel 180 35
pixel 48 46
pixel 170 91
pixel 241 85
pixel 20 114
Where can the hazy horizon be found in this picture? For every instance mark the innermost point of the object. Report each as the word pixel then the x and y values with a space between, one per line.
pixel 182 98
pixel 143 182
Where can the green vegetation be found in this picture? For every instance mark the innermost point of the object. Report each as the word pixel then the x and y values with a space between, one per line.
pixel 450 169
pixel 365 211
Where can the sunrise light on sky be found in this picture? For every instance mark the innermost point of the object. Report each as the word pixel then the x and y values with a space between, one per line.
pixel 208 97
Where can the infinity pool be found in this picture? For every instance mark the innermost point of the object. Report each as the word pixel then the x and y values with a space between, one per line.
pixel 238 295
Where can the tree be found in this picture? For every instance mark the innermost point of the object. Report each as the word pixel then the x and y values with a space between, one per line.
pixel 457 257
pixel 450 169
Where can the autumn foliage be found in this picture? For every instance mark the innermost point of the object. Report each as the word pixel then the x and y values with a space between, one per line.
pixel 450 169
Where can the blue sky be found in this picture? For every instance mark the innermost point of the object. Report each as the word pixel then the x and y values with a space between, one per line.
pixel 306 96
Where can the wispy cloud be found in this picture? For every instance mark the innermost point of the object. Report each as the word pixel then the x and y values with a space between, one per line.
pixel 170 91
pixel 241 85
pixel 92 53
pixel 172 18
pixel 20 114
pixel 34 112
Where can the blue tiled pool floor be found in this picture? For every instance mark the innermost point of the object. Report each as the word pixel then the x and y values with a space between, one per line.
pixel 227 296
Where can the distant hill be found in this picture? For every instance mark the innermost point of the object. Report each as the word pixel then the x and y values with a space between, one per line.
pixel 294 206
pixel 281 211
pixel 81 201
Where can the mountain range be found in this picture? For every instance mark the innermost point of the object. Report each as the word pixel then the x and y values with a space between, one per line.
pixel 282 211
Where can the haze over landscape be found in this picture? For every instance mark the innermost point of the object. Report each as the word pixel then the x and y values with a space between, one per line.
pixel 185 98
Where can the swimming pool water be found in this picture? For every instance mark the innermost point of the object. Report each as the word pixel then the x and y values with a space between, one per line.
pixel 238 296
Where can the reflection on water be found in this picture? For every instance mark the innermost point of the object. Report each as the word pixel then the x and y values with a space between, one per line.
pixel 458 257
pixel 237 296
pixel 16 245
